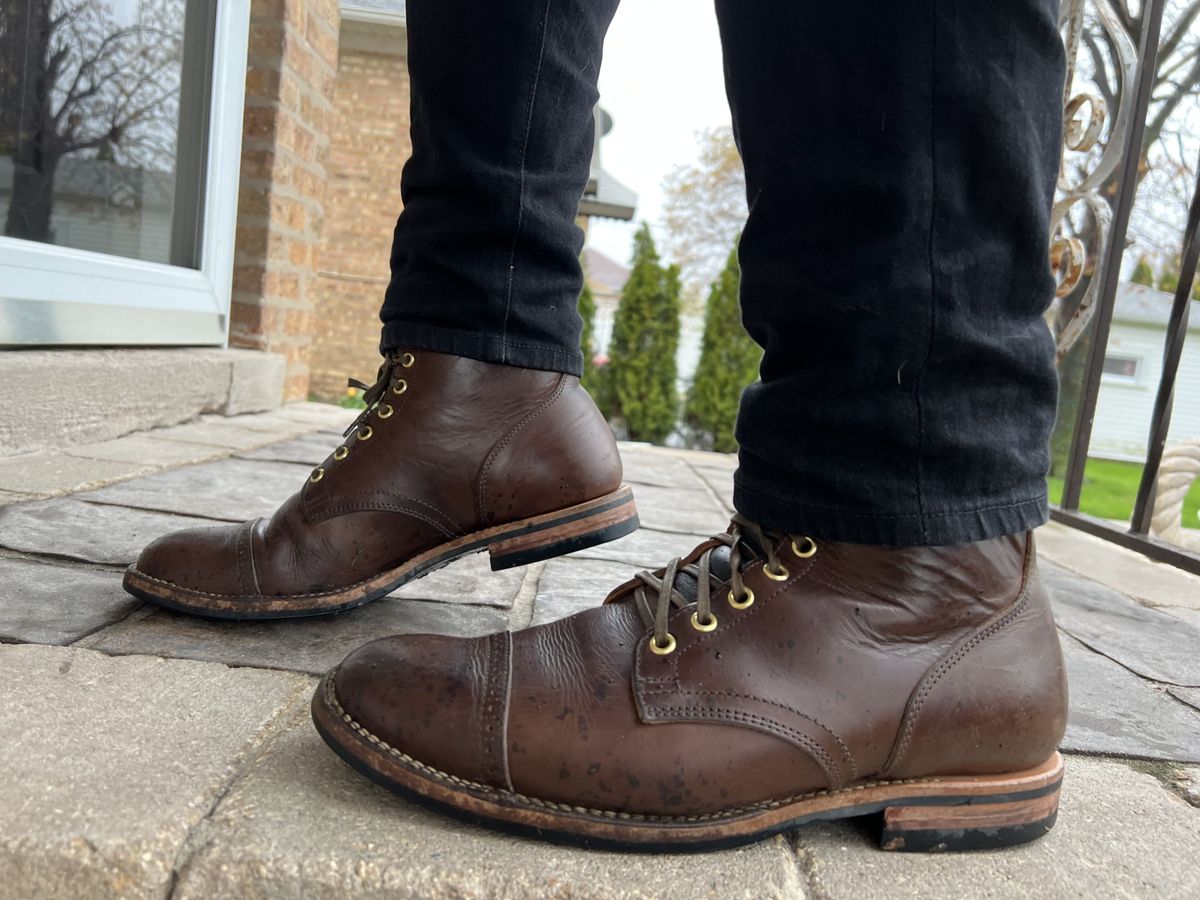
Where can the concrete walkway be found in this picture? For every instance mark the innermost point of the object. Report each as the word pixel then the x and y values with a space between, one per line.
pixel 146 754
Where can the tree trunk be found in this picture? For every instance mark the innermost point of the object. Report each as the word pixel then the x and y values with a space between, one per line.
pixel 32 200
pixel 30 136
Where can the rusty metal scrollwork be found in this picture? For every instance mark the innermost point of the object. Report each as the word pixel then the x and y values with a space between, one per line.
pixel 1085 114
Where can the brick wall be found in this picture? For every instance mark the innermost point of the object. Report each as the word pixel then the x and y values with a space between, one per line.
pixel 369 146
pixel 290 75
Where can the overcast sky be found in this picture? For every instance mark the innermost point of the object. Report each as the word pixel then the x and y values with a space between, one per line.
pixel 661 81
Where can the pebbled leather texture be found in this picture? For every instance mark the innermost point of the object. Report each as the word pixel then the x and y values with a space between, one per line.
pixel 865 663
pixel 466 445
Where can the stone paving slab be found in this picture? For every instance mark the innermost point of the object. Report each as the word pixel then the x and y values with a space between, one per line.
pixel 645 548
pixel 60 473
pixel 219 432
pixel 1148 582
pixel 1190 696
pixel 658 469
pixel 54 604
pixel 720 481
pixel 312 645
pixel 1119 834
pixel 1151 643
pixel 147 450
pixel 109 764
pixel 467 580
pixel 686 512
pixel 306 450
pixel 302 824
pixel 313 415
pixel 568 586
pixel 1115 713
pixel 232 490
pixel 92 532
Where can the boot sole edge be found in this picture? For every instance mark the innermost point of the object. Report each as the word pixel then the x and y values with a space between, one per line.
pixel 606 518
pixel 936 814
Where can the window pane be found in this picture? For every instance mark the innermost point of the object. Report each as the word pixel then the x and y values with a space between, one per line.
pixel 89 116
pixel 1120 365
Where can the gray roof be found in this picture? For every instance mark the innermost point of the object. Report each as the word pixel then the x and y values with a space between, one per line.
pixel 1140 305
pixel 385 7
pixel 610 199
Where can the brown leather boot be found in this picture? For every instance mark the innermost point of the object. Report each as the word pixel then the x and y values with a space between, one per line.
pixel 451 457
pixel 762 682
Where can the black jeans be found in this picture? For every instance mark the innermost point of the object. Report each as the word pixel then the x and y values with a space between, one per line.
pixel 900 164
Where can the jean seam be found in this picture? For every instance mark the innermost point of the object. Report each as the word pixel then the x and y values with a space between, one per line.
pixel 512 257
pixel 930 254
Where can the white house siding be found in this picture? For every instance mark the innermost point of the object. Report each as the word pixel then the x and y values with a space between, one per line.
pixel 1124 406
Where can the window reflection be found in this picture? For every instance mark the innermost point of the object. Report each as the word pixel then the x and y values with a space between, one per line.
pixel 89 108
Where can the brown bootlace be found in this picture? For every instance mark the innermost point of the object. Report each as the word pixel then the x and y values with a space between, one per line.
pixel 743 536
pixel 373 395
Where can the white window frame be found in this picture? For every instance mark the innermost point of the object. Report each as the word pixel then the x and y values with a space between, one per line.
pixel 1116 378
pixel 52 295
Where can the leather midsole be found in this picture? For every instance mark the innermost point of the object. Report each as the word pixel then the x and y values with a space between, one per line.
pixel 406 773
pixel 387 581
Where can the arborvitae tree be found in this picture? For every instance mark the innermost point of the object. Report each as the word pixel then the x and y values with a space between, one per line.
pixel 644 342
pixel 1168 277
pixel 1142 273
pixel 729 361
pixel 587 312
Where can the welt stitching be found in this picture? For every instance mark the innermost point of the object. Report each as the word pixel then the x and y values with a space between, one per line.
pixel 250 553
pixel 491 743
pixel 512 256
pixel 739 696
pixel 944 667
pixel 494 453
pixel 438 774
pixel 241 559
pixel 393 507
pixel 448 526
pixel 832 769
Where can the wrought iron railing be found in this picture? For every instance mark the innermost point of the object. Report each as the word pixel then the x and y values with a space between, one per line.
pixel 1096 191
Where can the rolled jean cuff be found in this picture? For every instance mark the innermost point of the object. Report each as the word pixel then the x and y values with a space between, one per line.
pixel 483 347
pixel 773 509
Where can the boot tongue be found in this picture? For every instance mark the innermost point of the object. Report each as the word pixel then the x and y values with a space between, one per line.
pixel 685 581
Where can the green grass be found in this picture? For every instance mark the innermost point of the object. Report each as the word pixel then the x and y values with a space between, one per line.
pixel 1110 487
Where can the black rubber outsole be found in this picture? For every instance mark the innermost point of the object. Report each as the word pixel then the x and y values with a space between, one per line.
pixel 933 840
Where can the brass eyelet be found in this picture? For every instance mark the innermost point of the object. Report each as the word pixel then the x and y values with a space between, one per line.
pixel 317 474
pixel 781 575
pixel 400 387
pixel 341 453
pixel 385 411
pixel 710 625
pixel 407 360
pixel 668 647
pixel 746 601
pixel 810 547
pixel 364 433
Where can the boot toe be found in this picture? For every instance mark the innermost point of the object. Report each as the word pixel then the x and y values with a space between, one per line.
pixel 423 696
pixel 197 559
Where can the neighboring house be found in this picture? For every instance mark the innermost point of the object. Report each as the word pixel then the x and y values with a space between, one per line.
pixel 369 146
pixel 1132 364
pixel 270 223
pixel 606 277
